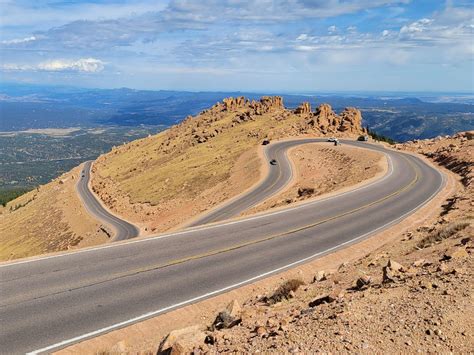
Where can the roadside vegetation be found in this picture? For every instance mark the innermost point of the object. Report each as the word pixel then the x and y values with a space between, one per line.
pixel 380 137
pixel 7 195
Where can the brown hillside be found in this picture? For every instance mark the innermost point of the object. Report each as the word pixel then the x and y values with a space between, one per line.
pixel 160 181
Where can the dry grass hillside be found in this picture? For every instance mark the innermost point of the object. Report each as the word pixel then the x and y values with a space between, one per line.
pixel 48 219
pixel 160 181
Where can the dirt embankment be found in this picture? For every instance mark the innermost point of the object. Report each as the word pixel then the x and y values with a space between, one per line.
pixel 48 219
pixel 406 290
pixel 321 168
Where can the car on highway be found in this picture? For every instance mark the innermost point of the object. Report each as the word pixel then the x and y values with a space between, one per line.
pixel 363 138
pixel 332 139
pixel 273 162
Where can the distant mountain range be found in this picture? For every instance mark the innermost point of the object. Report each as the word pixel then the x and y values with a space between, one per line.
pixel 401 116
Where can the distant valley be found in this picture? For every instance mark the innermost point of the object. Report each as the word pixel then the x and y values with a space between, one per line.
pixel 45 131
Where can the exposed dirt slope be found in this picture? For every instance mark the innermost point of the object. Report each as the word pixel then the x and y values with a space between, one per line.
pixel 50 218
pixel 189 168
pixel 322 169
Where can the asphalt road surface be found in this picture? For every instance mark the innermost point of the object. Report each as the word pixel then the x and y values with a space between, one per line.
pixel 278 177
pixel 123 229
pixel 49 303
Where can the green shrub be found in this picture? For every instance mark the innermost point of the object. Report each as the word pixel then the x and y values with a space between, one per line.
pixel 7 195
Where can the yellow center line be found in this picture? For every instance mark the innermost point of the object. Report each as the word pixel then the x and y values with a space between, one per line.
pixel 241 245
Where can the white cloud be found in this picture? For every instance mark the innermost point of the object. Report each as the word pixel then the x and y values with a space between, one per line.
pixel 88 65
pixel 84 65
pixel 415 28
pixel 332 29
pixel 302 37
pixel 19 40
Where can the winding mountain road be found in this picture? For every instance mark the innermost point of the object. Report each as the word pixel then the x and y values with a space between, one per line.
pixel 123 229
pixel 51 302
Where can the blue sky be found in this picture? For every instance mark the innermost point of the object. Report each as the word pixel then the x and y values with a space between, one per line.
pixel 293 45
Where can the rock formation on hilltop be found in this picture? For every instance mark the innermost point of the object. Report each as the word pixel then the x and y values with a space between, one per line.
pixel 264 105
pixel 351 120
pixel 303 109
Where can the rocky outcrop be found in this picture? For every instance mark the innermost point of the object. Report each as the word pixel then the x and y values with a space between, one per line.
pixel 303 109
pixel 351 120
pixel 326 120
pixel 266 104
pixel 232 104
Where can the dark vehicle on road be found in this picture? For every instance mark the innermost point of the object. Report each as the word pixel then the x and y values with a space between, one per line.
pixel 273 162
pixel 364 138
pixel 265 142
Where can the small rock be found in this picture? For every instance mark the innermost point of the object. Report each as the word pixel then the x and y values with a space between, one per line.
pixel 425 285
pixel 420 262
pixel 363 281
pixel 229 317
pixel 182 340
pixel 320 276
pixel 455 253
pixel 395 266
pixel 335 295
pixel 342 268
pixel 261 331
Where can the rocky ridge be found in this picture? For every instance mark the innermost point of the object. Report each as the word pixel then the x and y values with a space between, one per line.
pixel 323 121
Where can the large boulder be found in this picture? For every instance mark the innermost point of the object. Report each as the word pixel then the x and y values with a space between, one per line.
pixel 182 341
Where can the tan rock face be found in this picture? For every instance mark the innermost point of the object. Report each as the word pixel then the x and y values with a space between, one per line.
pixel 232 104
pixel 327 120
pixel 351 120
pixel 303 109
pixel 264 105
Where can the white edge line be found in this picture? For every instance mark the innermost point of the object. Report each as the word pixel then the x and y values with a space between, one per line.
pixel 215 292
pixel 201 228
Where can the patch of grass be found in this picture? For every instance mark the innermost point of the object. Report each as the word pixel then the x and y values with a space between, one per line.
pixel 7 195
pixel 443 233
pixel 283 292
pixel 380 137
pixel 168 165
